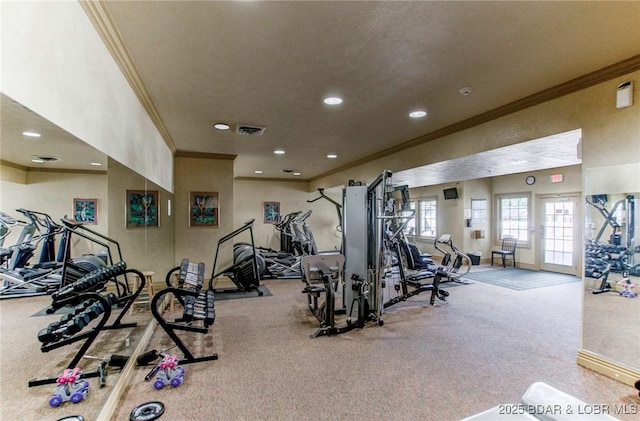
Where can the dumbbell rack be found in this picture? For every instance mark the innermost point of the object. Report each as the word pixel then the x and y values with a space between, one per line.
pixel 86 288
pixel 89 336
pixel 189 290
pixel 96 281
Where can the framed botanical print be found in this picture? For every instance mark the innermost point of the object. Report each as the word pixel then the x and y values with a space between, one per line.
pixel 203 209
pixel 85 211
pixel 271 212
pixel 142 208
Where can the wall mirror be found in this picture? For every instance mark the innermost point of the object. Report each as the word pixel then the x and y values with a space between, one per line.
pixel 611 309
pixel 48 170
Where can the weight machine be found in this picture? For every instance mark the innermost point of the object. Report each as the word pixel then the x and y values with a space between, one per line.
pixel 373 223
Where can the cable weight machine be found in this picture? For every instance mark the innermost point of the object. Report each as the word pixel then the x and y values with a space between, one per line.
pixel 373 223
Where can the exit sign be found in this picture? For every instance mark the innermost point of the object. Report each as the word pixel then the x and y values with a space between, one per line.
pixel 557 178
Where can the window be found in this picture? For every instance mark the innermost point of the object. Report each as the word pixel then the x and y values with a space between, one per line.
pixel 479 211
pixel 513 217
pixel 424 222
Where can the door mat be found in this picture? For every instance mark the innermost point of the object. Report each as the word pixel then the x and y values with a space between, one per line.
pixel 521 279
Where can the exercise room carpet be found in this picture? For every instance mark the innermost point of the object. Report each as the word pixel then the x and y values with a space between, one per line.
pixel 520 279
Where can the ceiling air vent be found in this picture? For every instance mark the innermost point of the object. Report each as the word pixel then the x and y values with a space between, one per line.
pixel 46 158
pixel 250 130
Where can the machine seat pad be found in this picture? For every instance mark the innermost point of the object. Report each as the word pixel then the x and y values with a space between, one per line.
pixel 312 289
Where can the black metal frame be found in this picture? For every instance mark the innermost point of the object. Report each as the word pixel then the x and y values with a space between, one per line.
pixel 126 300
pixel 89 337
pixel 240 287
pixel 180 324
pixel 171 327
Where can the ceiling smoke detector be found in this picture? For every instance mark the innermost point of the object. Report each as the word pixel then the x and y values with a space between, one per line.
pixel 465 91
pixel 250 130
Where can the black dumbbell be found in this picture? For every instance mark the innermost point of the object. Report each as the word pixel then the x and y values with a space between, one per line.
pixel 95 310
pixel 189 302
pixel 76 324
pixel 111 298
pixel 50 333
pixel 210 317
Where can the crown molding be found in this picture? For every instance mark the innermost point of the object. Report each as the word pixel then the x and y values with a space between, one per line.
pixel 205 155
pixel 52 170
pixel 106 28
pixel 271 179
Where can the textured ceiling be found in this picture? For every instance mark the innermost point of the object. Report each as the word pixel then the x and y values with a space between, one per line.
pixel 272 63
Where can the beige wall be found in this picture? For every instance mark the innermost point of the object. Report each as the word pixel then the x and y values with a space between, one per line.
pixel 145 249
pixel 199 243
pixel 53 193
pixel 249 196
pixel 515 183
pixel 451 218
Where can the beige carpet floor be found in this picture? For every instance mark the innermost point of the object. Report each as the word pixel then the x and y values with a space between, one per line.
pixel 481 348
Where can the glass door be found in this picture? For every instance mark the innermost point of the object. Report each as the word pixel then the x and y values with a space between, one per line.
pixel 559 242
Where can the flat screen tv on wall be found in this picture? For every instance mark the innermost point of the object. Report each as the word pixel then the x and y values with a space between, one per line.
pixel 451 193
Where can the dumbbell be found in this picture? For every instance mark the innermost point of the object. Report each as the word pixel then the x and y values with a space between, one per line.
pixel 210 316
pixel 77 324
pixel 184 269
pixel 51 333
pixel 56 330
pixel 111 298
pixel 201 270
pixel 95 310
pixel 189 302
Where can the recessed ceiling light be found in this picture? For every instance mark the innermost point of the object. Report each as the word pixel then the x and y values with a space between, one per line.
pixel 332 156
pixel 96 164
pixel 37 161
pixel 258 171
pixel 333 100
pixel 31 134
pixel 296 173
pixel 278 152
pixel 221 126
pixel 417 114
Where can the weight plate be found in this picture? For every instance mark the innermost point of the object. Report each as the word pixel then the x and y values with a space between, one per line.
pixel 147 411
pixel 72 418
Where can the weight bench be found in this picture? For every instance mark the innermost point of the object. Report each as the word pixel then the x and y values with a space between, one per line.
pixel 90 305
pixel 546 403
pixel 198 304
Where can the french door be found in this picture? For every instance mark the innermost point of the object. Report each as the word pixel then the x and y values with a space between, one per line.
pixel 559 234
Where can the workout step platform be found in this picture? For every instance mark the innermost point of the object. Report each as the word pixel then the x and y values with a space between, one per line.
pixel 198 306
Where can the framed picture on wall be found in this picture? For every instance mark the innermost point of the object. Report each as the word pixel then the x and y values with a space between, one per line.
pixel 142 208
pixel 271 212
pixel 203 209
pixel 85 211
